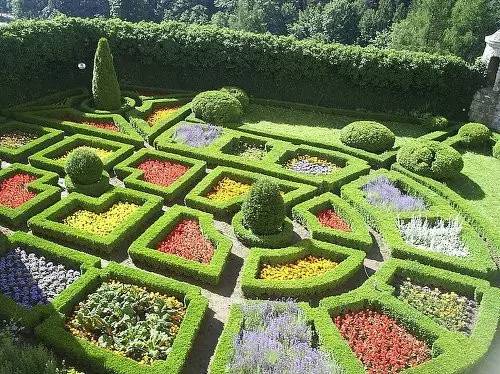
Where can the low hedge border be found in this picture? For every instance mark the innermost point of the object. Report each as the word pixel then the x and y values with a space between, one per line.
pixel 57 100
pixel 133 177
pixel 294 192
pixel 478 264
pixel 218 153
pixel 94 189
pixel 349 262
pixel 53 332
pixel 62 255
pixel 48 223
pixel 452 354
pixel 47 193
pixel 248 238
pixel 153 93
pixel 145 254
pixel 45 158
pixel 359 237
pixel 46 137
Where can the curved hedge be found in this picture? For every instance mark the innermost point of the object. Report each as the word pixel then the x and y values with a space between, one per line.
pixel 41 56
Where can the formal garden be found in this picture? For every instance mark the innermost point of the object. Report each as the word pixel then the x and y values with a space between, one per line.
pixel 181 199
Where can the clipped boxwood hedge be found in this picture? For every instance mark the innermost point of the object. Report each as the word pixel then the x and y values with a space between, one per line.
pixel 54 334
pixel 349 262
pixel 76 260
pixel 145 254
pixel 48 223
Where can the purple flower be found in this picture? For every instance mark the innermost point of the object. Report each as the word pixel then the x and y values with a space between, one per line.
pixel 381 192
pixel 197 135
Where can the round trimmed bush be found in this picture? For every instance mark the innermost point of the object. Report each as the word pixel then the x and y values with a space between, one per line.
pixel 217 107
pixel 84 166
pixel 431 159
pixel 239 94
pixel 368 135
pixel 434 122
pixel 264 209
pixel 496 150
pixel 474 134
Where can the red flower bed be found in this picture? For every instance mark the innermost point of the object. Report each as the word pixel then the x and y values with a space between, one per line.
pixel 330 218
pixel 14 191
pixel 104 125
pixel 380 343
pixel 162 173
pixel 186 240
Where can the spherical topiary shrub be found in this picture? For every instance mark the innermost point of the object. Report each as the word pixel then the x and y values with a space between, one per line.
pixel 84 166
pixel 217 107
pixel 264 210
pixel 434 122
pixel 496 150
pixel 431 159
pixel 474 134
pixel 238 93
pixel 368 135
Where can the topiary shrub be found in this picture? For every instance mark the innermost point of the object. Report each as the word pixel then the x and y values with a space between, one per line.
pixel 431 159
pixel 474 134
pixel 84 166
pixel 368 135
pixel 434 122
pixel 264 209
pixel 217 107
pixel 496 150
pixel 239 94
pixel 105 87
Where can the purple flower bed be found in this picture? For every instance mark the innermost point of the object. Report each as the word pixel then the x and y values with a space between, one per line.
pixel 30 280
pixel 196 135
pixel 307 164
pixel 275 338
pixel 381 192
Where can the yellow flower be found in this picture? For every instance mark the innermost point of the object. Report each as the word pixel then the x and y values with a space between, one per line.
pixel 228 188
pixel 304 268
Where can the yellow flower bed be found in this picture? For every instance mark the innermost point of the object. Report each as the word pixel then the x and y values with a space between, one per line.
pixel 304 268
pixel 161 114
pixel 102 153
pixel 103 223
pixel 228 188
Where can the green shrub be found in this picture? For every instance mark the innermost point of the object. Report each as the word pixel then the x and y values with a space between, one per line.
pixel 496 150
pixel 431 159
pixel 264 209
pixel 217 107
pixel 84 166
pixel 474 134
pixel 434 122
pixel 105 87
pixel 238 93
pixel 367 135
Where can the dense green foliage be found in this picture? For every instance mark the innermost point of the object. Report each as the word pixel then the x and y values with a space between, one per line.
pixel 84 166
pixel 435 122
pixel 105 87
pixel 431 159
pixel 474 134
pixel 217 107
pixel 496 150
pixel 238 93
pixel 368 135
pixel 264 209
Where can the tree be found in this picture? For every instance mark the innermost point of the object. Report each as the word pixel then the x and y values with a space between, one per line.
pixel 340 21
pixel 105 87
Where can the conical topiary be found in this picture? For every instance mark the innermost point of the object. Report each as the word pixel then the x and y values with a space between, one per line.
pixel 105 87
pixel 264 210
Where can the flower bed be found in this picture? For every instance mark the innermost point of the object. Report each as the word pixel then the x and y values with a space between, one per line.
pixel 309 266
pixel 14 190
pixel 330 218
pixel 247 148
pixel 308 164
pixel 383 193
pixel 153 320
pixel 455 312
pixel 162 173
pixel 197 135
pixel 102 124
pixel 16 138
pixel 161 114
pixel 380 342
pixel 103 154
pixel 227 189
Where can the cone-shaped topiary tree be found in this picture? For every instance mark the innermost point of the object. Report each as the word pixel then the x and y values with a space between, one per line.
pixel 105 87
pixel 264 210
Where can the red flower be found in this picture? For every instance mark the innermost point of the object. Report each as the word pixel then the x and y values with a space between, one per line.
pixel 162 173
pixel 330 218
pixel 14 191
pixel 186 240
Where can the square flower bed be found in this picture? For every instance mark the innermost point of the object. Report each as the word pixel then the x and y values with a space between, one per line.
pixel 53 158
pixel 224 189
pixel 19 140
pixel 36 276
pixel 164 174
pixel 330 219
pixel 248 148
pixel 184 241
pixel 196 134
pixel 161 313
pixel 309 268
pixel 24 192
pixel 100 225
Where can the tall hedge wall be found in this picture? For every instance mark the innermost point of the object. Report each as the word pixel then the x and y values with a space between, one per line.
pixel 39 56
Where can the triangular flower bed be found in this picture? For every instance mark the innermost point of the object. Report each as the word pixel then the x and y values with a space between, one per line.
pixel 182 312
pixel 309 268
pixel 184 241
pixel 330 219
pixel 53 157
pixel 165 174
pixel 100 225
